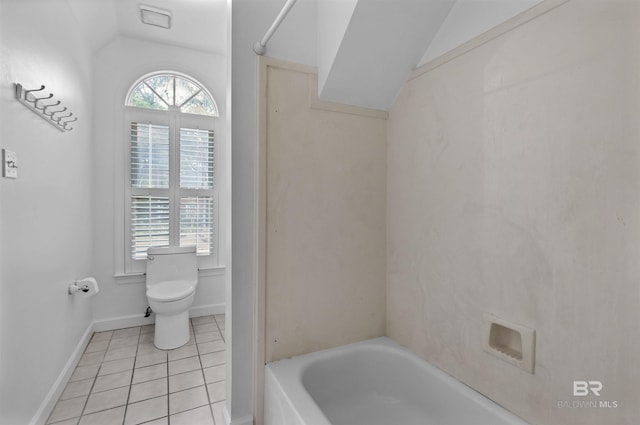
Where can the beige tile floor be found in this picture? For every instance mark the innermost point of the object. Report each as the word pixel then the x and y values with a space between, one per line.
pixel 122 379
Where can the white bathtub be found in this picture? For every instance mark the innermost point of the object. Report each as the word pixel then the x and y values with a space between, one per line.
pixel 374 382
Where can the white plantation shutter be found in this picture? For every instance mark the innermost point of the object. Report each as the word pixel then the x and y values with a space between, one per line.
pixel 170 188
pixel 197 171
pixel 196 223
pixel 158 192
pixel 150 215
pixel 149 224
pixel 149 156
pixel 196 159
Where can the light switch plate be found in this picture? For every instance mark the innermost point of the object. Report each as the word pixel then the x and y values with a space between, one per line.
pixel 9 164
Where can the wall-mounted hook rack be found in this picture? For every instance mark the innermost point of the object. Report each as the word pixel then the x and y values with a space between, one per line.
pixel 37 104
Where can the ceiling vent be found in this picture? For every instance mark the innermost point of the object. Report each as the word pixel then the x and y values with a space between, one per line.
pixel 153 16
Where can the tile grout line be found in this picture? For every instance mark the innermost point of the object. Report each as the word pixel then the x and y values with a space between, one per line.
pixel 222 336
pixel 169 389
pixel 133 370
pixel 224 341
pixel 191 328
pixel 95 378
pixel 84 413
pixel 204 378
pixel 100 365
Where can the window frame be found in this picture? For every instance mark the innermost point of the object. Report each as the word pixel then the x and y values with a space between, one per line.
pixel 202 88
pixel 175 120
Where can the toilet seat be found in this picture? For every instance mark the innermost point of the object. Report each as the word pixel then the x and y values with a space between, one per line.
pixel 171 290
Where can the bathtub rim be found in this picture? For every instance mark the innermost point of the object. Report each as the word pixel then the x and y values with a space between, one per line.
pixel 288 376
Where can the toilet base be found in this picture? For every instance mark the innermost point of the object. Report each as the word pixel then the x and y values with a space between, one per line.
pixel 171 331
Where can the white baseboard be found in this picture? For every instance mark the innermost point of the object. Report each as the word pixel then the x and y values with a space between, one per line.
pixel 245 420
pixel 139 319
pixel 121 322
pixel 49 402
pixel 227 417
pixel 206 310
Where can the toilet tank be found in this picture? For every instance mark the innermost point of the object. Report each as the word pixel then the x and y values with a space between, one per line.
pixel 171 263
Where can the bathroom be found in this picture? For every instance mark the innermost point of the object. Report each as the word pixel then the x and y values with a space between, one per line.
pixel 506 181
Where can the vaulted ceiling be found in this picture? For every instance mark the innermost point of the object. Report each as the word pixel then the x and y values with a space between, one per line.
pixel 382 41
pixel 196 24
pixel 365 48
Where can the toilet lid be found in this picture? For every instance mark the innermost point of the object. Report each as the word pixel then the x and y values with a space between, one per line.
pixel 171 290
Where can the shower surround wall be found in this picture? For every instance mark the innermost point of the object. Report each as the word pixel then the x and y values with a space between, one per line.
pixel 514 188
pixel 325 217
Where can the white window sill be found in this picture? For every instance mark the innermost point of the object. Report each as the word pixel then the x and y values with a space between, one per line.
pixel 127 278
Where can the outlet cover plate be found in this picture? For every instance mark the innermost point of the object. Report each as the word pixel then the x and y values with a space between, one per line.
pixel 9 164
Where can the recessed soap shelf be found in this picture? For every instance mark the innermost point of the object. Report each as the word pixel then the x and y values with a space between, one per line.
pixel 510 342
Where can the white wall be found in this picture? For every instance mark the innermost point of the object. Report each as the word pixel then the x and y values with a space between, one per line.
pixel 470 18
pixel 514 188
pixel 333 19
pixel 45 215
pixel 294 41
pixel 117 66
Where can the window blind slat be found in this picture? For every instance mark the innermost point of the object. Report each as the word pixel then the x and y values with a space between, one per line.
pixel 197 165
pixel 196 223
pixel 149 224
pixel 151 147
pixel 149 155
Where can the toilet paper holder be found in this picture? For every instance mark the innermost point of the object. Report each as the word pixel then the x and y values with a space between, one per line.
pixel 84 287
pixel 78 286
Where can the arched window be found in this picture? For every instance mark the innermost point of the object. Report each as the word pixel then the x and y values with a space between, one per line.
pixel 171 197
pixel 171 91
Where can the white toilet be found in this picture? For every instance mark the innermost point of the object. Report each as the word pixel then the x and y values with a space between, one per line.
pixel 172 277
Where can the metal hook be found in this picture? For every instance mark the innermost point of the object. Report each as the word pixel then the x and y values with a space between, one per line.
pixel 64 124
pixel 35 102
pixel 64 116
pixel 26 92
pixel 52 113
pixel 44 110
pixel 35 99
pixel 68 121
